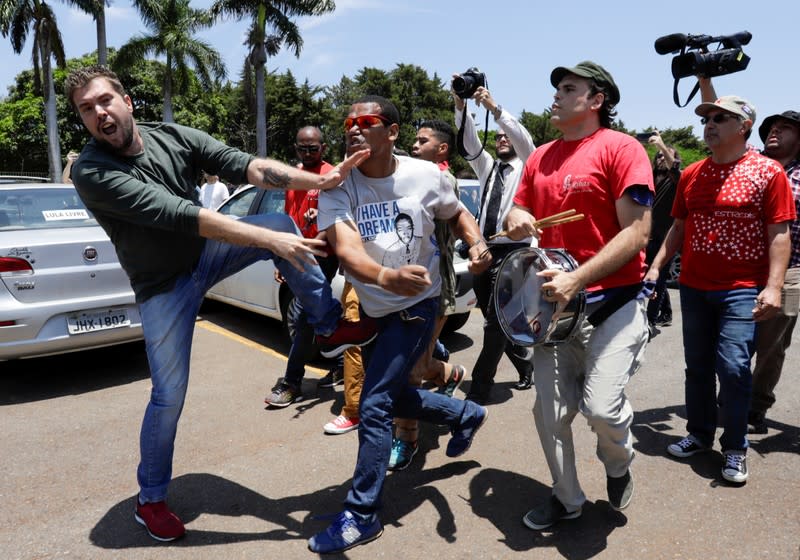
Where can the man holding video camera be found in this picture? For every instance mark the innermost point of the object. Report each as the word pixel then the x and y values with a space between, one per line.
pixel 781 137
pixel 605 175
pixel 732 213
pixel 498 183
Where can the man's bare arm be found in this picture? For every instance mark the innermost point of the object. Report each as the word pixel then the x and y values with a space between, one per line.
pixel 273 174
pixel 407 280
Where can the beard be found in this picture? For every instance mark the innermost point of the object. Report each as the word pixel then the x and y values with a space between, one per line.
pixel 126 127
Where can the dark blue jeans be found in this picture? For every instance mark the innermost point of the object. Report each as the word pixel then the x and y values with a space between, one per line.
pixel 402 338
pixel 168 321
pixel 718 342
pixel 303 343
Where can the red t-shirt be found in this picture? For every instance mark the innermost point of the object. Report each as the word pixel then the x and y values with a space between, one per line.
pixel 726 209
pixel 298 202
pixel 589 175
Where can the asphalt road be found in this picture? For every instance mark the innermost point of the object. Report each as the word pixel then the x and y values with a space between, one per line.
pixel 249 481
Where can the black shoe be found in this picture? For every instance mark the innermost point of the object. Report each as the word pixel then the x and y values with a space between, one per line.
pixel 756 422
pixel 664 321
pixel 334 377
pixel 525 382
pixel 620 490
pixel 477 398
pixel 547 514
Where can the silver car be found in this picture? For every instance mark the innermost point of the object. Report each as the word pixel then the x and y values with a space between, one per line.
pixel 256 289
pixel 61 286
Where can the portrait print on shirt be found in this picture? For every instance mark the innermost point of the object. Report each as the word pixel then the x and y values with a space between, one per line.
pixel 391 231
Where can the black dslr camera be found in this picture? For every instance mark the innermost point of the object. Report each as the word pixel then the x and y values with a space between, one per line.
pixel 465 84
pixel 698 61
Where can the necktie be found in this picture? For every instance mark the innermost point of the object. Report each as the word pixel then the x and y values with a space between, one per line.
pixel 495 198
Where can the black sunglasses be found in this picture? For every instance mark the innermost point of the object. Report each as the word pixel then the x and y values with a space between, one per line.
pixel 719 118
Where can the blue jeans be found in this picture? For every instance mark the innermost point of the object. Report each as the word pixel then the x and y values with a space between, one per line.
pixel 303 343
pixel 402 338
pixel 718 338
pixel 168 321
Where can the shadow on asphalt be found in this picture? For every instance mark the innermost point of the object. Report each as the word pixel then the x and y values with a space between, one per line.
pixel 504 497
pixel 654 431
pixel 75 373
pixel 499 496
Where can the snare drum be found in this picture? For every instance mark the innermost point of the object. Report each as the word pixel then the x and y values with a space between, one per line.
pixel 524 316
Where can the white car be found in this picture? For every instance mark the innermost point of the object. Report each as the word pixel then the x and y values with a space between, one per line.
pixel 62 288
pixel 256 289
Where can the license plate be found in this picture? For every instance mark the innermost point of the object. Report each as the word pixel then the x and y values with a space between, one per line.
pixel 97 321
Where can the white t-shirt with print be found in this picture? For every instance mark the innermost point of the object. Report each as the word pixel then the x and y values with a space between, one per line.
pixel 394 216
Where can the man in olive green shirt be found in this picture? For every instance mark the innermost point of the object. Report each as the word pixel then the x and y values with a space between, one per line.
pixel 139 182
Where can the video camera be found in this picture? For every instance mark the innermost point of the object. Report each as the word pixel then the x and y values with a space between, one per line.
pixel 467 83
pixel 729 58
pixel 698 61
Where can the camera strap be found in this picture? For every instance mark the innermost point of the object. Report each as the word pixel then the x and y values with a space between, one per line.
pixel 675 97
pixel 462 151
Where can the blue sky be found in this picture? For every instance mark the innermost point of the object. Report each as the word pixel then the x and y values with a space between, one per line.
pixel 516 43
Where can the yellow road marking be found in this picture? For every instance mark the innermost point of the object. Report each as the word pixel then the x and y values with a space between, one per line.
pixel 249 343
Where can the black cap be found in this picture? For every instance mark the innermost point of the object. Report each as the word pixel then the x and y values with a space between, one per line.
pixel 763 130
pixel 591 70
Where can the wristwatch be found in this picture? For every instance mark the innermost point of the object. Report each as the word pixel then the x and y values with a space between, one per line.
pixel 498 110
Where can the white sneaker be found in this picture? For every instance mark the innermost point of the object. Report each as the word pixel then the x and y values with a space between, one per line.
pixel 341 425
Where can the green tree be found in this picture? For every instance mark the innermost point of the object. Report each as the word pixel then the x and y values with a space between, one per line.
pixel 539 126
pixel 17 19
pixel 22 135
pixel 172 25
pixel 271 27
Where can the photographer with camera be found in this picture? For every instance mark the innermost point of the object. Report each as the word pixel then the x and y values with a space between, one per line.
pixel 498 184
pixel 666 173
pixel 732 213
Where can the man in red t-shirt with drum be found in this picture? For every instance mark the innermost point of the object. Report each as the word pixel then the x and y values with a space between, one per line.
pixel 605 175
pixel 732 213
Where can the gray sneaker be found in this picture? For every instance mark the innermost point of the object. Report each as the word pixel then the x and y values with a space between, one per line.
pixel 547 514
pixel 620 490
pixel 735 469
pixel 334 377
pixel 283 394
pixel 686 447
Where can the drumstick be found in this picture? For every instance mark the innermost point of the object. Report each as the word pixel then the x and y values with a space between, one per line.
pixel 567 220
pixel 554 217
pixel 554 220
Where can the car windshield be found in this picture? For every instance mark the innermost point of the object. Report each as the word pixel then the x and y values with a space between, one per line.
pixel 42 208
pixel 469 191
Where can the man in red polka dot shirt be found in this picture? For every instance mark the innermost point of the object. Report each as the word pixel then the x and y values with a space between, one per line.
pixel 732 213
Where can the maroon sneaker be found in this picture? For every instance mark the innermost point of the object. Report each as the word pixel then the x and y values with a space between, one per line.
pixel 160 522
pixel 347 334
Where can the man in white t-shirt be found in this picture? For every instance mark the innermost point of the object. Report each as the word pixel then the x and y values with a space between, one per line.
pixel 380 222
pixel 213 192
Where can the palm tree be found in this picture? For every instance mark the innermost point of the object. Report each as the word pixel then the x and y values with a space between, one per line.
pixel 97 9
pixel 277 16
pixel 17 19
pixel 172 24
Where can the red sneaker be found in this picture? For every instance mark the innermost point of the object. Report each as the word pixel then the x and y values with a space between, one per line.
pixel 347 334
pixel 341 425
pixel 160 522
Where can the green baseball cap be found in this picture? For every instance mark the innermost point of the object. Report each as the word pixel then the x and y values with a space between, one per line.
pixel 591 70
